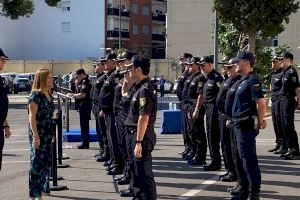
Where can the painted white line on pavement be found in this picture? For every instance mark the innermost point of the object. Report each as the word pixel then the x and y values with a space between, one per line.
pixel 10 150
pixel 20 161
pixel 201 187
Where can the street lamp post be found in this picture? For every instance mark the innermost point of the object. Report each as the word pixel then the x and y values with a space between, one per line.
pixel 120 23
pixel 216 35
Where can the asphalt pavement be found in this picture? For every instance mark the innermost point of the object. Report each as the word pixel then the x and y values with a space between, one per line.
pixel 87 179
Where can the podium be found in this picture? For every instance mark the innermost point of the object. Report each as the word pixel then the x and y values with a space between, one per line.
pixel 171 122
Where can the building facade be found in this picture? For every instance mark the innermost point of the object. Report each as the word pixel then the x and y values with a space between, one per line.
pixel 190 28
pixel 142 26
pixel 73 30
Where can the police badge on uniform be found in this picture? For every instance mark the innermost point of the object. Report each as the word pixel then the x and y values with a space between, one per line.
pixel 117 80
pixel 142 101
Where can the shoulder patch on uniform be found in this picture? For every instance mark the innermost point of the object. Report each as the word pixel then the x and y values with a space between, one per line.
pixel 294 79
pixel 218 84
pixel 192 83
pixel 106 81
pixel 142 101
pixel 200 84
pixel 117 80
pixel 83 86
pixel 146 85
pixel 216 75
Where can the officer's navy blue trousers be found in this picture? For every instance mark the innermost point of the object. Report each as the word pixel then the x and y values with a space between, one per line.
pixel 277 124
pixel 196 132
pixel 213 133
pixel 246 145
pixel 1 144
pixel 144 186
pixel 226 144
pixel 115 151
pixel 238 164
pixel 187 144
pixel 104 142
pixel 121 133
pixel 84 116
pixel 287 116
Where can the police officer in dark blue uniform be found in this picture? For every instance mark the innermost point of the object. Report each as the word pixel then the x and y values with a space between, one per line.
pixel 238 165
pixel 289 90
pixel 140 122
pixel 275 87
pixel 210 92
pixel 128 90
pixel 195 124
pixel 124 58
pixel 100 123
pixel 181 80
pixel 248 113
pixel 232 77
pixel 85 106
pixel 4 128
pixel 106 103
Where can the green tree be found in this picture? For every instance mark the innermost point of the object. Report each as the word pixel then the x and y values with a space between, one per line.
pixel 20 8
pixel 256 17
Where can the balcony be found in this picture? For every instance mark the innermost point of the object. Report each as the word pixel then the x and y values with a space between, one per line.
pixel 115 11
pixel 161 18
pixel 158 37
pixel 115 34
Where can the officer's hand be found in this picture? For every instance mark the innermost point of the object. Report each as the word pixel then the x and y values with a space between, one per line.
pixel 298 106
pixel 70 94
pixel 228 124
pixel 195 114
pixel 138 150
pixel 36 142
pixel 7 132
pixel 263 124
pixel 101 114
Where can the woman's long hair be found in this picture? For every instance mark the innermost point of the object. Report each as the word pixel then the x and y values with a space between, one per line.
pixel 40 80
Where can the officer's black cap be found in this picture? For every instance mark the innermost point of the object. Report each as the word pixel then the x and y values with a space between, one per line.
pixel 206 59
pixel 126 55
pixel 230 63
pixel 244 55
pixel 79 71
pixel 185 55
pixel 193 60
pixel 3 56
pixel 110 56
pixel 288 55
pixel 276 58
pixel 224 61
pixel 139 61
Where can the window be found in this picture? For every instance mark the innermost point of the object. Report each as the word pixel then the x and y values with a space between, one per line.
pixel 66 5
pixel 135 29
pixel 109 5
pixel 146 29
pixel 135 8
pixel 145 9
pixel 66 26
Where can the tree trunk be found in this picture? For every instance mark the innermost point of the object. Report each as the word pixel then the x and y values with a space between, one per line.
pixel 252 41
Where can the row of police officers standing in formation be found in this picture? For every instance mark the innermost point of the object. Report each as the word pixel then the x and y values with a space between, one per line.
pixel 234 106
pixel 123 103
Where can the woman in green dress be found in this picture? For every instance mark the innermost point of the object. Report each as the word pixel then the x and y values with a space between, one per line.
pixel 41 128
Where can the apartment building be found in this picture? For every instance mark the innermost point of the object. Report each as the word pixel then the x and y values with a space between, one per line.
pixel 142 24
pixel 71 31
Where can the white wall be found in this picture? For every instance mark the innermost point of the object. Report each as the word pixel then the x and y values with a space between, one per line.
pixel 189 27
pixel 40 37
